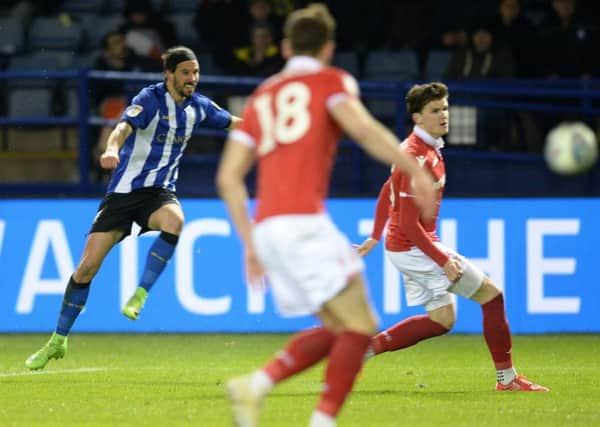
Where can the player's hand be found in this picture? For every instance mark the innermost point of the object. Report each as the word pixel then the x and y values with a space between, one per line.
pixel 109 160
pixel 453 269
pixel 366 246
pixel 254 270
pixel 425 194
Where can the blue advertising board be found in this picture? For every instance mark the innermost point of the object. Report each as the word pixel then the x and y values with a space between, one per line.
pixel 540 251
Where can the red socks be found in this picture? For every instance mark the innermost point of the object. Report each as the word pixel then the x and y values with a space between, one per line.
pixel 406 333
pixel 345 361
pixel 304 350
pixel 497 332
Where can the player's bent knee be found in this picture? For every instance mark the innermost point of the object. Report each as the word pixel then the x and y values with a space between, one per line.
pixel 487 292
pixel 445 316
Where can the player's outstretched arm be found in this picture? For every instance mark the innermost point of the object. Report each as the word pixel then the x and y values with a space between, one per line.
pixel 110 158
pixel 235 121
pixel 235 164
pixel 382 145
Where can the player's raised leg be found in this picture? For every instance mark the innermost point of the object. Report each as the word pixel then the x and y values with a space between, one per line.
pixel 498 339
pixel 168 219
pixel 75 297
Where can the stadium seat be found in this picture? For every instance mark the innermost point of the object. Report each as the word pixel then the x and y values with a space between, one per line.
pixel 39 61
pixel 12 36
pixel 54 61
pixel 78 7
pixel 117 6
pixel 29 102
pixel 179 6
pixel 55 33
pixel 392 65
pixel 348 61
pixel 436 64
pixel 87 60
pixel 184 29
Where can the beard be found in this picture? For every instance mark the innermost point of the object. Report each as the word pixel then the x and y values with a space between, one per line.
pixel 183 90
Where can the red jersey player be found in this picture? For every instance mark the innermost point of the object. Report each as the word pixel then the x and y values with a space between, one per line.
pixel 431 270
pixel 291 125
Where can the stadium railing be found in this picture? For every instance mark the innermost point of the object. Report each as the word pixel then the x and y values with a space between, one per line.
pixel 562 99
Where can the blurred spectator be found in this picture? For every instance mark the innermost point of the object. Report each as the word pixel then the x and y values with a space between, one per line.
pixel 566 42
pixel 109 97
pixel 261 58
pixel 453 20
pixel 145 31
pixel 481 59
pixel 261 12
pixel 512 30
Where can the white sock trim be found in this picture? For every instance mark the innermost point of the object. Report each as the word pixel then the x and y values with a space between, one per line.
pixel 261 383
pixel 320 419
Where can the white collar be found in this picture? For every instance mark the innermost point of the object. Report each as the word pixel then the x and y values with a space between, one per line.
pixel 303 63
pixel 438 143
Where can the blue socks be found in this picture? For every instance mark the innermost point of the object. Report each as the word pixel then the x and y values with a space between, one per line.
pixel 74 299
pixel 159 255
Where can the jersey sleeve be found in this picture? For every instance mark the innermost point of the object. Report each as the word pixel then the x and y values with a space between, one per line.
pixel 142 109
pixel 341 87
pixel 216 117
pixel 381 210
pixel 409 221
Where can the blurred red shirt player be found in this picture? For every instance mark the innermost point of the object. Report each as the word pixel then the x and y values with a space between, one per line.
pixel 292 124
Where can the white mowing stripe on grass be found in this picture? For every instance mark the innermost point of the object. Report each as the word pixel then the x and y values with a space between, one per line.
pixel 49 372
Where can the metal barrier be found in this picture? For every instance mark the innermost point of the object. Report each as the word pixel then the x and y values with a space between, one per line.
pixel 581 98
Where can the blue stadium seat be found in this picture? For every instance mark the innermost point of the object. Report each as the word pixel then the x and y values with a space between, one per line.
pixel 117 6
pixel 179 6
pixel 39 61
pixel 54 61
pixel 348 61
pixel 12 36
pixel 78 7
pixel 87 60
pixel 392 65
pixel 29 102
pixel 184 29
pixel 55 33
pixel 436 64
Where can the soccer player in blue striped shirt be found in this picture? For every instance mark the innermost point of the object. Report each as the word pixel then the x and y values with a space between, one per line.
pixel 144 150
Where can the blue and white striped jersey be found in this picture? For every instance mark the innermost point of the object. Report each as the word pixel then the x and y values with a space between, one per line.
pixel 150 156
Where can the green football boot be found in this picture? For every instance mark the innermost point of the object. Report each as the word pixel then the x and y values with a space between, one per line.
pixel 135 304
pixel 55 348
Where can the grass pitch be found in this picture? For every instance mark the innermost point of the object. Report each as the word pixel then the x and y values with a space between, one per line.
pixel 177 380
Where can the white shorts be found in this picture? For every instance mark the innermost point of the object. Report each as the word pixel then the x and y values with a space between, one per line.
pixel 426 283
pixel 307 260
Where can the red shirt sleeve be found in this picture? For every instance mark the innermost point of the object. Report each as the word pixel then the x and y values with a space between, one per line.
pixel 409 221
pixel 381 211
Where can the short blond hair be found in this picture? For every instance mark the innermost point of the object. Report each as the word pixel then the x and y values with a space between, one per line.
pixel 308 29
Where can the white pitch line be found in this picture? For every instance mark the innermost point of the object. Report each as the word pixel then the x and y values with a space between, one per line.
pixel 62 371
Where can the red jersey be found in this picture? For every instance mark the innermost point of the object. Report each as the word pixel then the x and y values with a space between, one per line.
pixel 406 229
pixel 288 123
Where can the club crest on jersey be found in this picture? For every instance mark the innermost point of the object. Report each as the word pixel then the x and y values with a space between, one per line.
pixel 134 110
